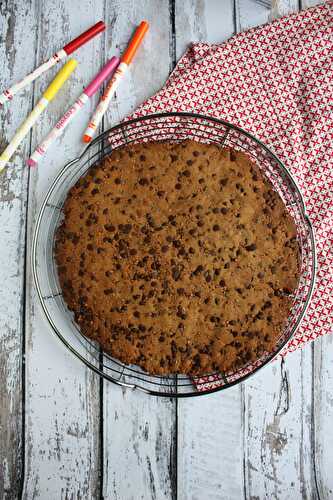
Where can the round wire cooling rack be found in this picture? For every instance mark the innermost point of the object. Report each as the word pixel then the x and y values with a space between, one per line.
pixel 171 127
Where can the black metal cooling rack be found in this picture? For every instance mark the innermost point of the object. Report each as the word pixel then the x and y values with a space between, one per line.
pixel 172 127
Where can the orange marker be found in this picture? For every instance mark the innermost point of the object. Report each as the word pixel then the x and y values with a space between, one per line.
pixel 115 80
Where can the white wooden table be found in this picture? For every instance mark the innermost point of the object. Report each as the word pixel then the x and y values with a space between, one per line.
pixel 66 434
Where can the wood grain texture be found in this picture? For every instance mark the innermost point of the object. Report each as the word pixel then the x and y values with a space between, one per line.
pixel 139 430
pixel 322 415
pixel 18 27
pixel 62 396
pixel 210 447
pixel 310 3
pixel 251 13
pixel 200 21
pixel 278 459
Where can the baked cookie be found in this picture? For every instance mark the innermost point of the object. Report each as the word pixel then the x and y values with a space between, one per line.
pixel 179 258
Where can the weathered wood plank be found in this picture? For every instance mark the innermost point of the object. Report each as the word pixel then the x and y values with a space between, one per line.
pixel 252 13
pixel 199 21
pixel 139 430
pixel 210 447
pixel 322 409
pixel 139 444
pixel 62 396
pixel 322 431
pixel 278 456
pixel 17 54
pixel 310 3
pixel 278 460
pixel 210 442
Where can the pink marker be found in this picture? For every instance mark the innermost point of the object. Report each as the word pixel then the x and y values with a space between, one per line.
pixel 60 126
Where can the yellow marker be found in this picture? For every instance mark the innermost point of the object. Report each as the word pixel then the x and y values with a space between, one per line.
pixel 47 97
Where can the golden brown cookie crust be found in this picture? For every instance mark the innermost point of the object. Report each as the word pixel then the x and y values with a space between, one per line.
pixel 179 258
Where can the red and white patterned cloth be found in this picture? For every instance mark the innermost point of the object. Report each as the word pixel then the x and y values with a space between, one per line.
pixel 276 82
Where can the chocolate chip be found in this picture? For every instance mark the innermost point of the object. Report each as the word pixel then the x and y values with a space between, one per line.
pixel 117 180
pixel 232 156
pixel 133 251
pixel 165 248
pixel 107 240
pixel 142 158
pixel 224 182
pixel 175 273
pixel 251 248
pixel 109 227
pixel 150 220
pixel 181 313
pixel 222 283
pixel 95 191
pixel 186 173
pixel 178 186
pixel 198 270
pixel 160 193
pixel 125 228
pixel 224 210
pixel 208 277
pixel 216 227
pixel 143 181
pixel 197 361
